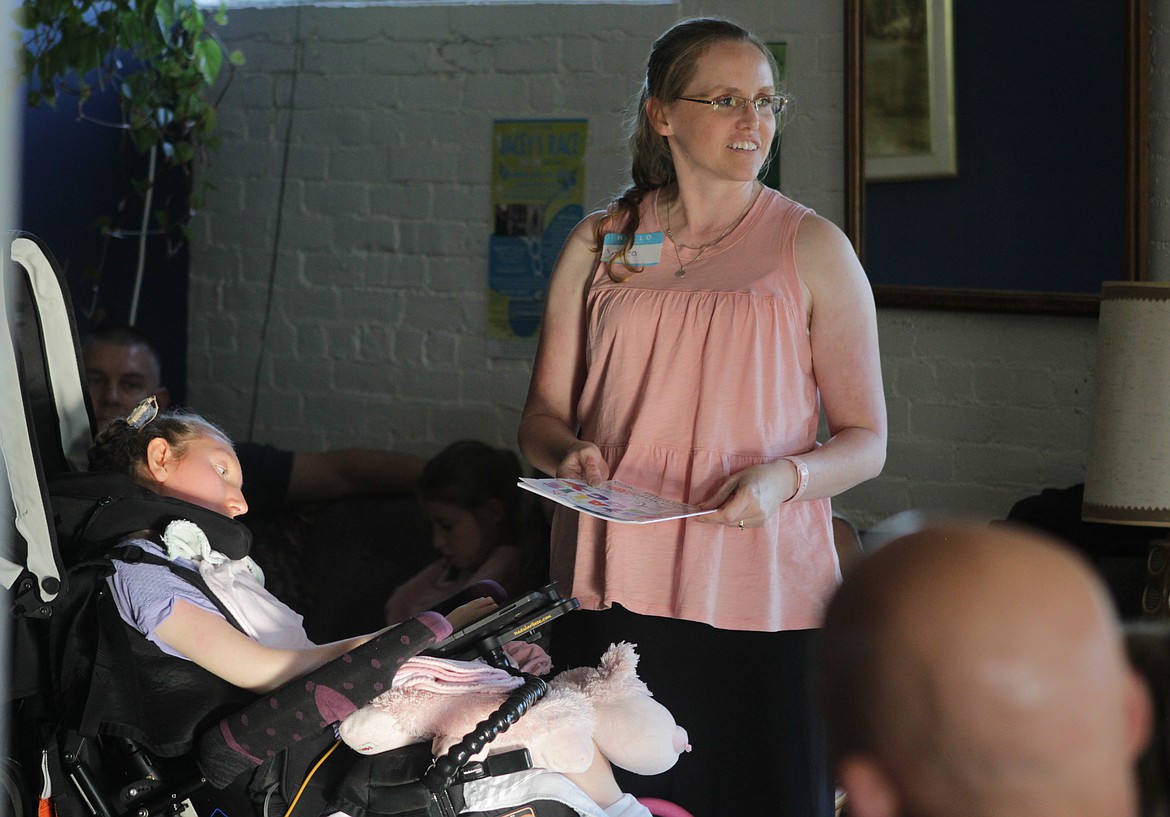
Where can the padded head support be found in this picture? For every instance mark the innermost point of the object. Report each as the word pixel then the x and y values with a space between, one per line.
pixel 98 508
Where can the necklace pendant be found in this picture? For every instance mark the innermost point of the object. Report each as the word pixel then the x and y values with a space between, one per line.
pixel 680 272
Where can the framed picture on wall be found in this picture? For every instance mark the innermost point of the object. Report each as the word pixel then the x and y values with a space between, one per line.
pixel 908 102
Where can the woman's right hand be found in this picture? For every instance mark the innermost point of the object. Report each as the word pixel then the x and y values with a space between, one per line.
pixel 584 462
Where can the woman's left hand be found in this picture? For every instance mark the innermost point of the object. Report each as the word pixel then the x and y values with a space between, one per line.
pixel 750 496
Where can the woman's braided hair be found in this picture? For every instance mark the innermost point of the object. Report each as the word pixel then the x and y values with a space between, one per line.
pixel 671 66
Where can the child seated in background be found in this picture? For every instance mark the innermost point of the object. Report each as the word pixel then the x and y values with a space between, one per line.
pixel 483 525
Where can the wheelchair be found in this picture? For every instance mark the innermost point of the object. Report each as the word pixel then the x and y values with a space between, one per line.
pixel 102 723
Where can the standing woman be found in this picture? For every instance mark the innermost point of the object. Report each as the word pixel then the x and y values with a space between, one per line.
pixel 691 331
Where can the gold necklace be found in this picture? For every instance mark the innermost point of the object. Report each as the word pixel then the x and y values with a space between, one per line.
pixel 682 268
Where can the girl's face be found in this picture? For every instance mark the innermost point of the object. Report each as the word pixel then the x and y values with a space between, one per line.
pixel 464 537
pixel 724 144
pixel 208 474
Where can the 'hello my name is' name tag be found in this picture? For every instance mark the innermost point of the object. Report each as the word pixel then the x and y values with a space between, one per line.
pixel 646 252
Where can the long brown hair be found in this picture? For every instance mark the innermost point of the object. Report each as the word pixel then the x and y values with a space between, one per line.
pixel 670 67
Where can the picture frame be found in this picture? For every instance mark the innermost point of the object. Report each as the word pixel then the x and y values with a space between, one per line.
pixel 909 97
pixel 918 218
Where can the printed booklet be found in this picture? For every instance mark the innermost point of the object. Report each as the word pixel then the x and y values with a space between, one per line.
pixel 613 500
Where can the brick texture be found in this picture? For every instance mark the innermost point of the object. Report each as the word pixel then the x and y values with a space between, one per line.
pixel 377 329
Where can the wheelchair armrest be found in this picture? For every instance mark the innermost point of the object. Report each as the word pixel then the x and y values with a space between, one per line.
pixel 314 702
pixel 521 619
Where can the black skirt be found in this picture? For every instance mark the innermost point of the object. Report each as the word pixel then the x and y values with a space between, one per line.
pixel 743 697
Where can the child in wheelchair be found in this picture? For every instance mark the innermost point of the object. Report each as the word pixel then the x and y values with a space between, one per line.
pixel 200 604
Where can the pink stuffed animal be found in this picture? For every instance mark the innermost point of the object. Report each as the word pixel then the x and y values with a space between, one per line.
pixel 607 706
pixel 632 730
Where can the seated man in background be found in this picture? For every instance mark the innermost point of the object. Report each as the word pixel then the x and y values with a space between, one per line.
pixel 335 531
pixel 970 670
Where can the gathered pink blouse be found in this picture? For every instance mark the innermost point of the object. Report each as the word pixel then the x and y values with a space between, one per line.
pixel 691 379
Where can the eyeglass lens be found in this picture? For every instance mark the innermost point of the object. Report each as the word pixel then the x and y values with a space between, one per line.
pixel 774 103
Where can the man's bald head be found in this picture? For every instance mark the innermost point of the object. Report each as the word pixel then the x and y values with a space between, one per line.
pixel 973 670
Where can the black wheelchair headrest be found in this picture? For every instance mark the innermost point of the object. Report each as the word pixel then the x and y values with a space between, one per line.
pixel 93 509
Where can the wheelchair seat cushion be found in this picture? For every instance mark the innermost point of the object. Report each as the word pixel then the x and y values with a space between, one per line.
pixel 111 680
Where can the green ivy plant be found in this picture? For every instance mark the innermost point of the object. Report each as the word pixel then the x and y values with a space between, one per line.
pixel 164 60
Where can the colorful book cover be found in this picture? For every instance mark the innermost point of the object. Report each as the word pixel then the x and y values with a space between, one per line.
pixel 614 500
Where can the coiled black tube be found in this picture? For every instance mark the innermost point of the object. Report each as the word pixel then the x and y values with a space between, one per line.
pixel 442 774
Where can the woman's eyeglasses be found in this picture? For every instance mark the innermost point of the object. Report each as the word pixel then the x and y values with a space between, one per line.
pixel 765 103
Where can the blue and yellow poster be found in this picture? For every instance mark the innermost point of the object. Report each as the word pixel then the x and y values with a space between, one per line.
pixel 538 188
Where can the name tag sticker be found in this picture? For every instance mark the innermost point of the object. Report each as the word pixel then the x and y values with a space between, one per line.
pixel 646 252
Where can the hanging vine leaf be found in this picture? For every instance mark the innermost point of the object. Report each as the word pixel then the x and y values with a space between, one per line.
pixel 163 56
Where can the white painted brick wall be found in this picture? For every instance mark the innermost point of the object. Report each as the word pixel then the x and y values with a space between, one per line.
pixel 378 331
pixel 984 410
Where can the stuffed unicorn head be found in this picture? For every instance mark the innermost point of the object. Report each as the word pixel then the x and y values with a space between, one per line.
pixel 632 730
pixel 607 707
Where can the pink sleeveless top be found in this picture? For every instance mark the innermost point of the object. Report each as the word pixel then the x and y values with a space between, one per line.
pixel 690 380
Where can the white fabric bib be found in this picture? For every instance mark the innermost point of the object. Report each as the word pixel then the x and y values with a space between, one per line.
pixel 238 584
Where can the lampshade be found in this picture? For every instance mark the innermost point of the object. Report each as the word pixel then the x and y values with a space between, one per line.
pixel 1127 479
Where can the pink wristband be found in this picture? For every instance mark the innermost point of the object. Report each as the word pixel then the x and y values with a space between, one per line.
pixel 802 477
